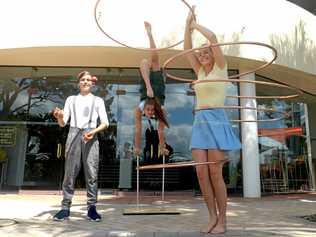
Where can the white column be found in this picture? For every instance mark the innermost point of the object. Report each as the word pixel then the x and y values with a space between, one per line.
pixel 250 150
pixel 309 150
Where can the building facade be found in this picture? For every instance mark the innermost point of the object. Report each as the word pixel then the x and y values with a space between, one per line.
pixel 278 152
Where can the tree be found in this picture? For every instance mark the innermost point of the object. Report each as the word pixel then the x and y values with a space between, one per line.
pixel 296 50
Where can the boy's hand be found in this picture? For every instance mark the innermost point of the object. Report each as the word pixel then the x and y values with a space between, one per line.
pixel 58 113
pixel 88 136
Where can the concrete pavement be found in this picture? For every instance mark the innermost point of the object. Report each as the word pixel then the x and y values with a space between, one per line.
pixel 30 214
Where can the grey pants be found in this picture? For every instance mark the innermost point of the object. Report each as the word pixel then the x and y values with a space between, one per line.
pixel 88 152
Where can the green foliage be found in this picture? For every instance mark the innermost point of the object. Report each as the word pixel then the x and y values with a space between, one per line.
pixel 3 155
pixel 296 50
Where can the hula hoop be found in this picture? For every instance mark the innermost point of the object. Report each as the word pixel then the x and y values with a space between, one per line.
pixel 179 164
pixel 215 45
pixel 7 222
pixel 234 78
pixel 283 114
pixel 298 92
pixel 125 45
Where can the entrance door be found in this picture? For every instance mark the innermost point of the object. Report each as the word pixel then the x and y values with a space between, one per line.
pixel 179 107
pixel 44 158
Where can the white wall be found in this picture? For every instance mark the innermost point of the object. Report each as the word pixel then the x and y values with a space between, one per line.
pixel 65 23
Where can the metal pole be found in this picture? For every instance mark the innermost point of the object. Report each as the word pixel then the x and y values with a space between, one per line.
pixel 309 150
pixel 137 182
pixel 2 175
pixel 163 180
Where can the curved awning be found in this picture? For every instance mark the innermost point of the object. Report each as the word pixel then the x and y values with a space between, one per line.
pixel 99 56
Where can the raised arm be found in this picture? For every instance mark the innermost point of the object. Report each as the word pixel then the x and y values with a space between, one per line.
pixel 162 141
pixel 211 37
pixel 187 44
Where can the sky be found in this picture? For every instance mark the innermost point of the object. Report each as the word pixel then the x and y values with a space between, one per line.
pixel 71 22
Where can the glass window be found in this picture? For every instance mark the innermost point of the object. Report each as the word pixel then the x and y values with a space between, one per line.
pixel 282 148
pixel 179 107
pixel 29 94
pixel 14 93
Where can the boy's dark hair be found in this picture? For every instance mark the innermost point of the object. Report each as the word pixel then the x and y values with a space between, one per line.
pixel 84 73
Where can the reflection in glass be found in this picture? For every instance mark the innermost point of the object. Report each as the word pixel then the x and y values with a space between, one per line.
pixel 28 95
pixel 14 98
pixel 283 151
pixel 179 109
pixel 126 122
pixel 43 162
pixel 232 169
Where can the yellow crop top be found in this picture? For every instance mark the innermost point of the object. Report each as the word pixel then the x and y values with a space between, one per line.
pixel 210 94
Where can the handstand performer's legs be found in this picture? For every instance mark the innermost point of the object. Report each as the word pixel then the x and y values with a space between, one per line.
pixel 145 71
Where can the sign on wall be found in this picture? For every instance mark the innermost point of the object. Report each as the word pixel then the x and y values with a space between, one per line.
pixel 7 136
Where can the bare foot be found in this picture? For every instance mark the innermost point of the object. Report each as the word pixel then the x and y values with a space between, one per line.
pixel 209 227
pixel 218 229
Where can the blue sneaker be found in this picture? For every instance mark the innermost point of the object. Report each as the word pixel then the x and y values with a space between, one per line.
pixel 92 214
pixel 62 215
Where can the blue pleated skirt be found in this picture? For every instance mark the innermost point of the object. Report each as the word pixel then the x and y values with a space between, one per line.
pixel 212 130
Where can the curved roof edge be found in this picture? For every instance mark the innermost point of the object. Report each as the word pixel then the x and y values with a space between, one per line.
pixel 105 56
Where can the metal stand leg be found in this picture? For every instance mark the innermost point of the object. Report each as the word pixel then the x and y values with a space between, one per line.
pixel 163 180
pixel 152 210
pixel 2 175
pixel 137 182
